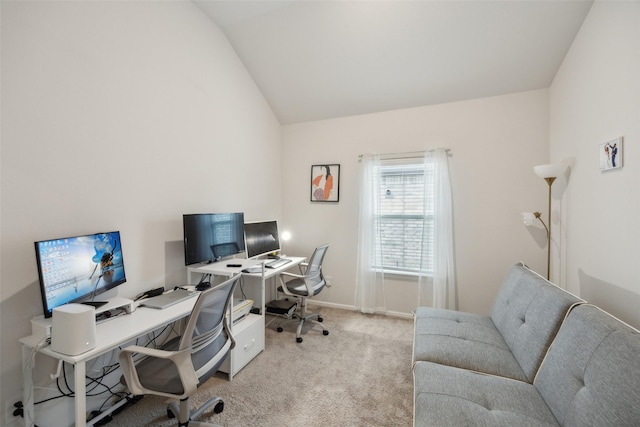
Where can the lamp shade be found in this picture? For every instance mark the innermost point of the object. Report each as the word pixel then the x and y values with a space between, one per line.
pixel 553 170
pixel 528 218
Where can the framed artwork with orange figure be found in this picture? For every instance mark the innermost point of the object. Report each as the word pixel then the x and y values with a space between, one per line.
pixel 325 183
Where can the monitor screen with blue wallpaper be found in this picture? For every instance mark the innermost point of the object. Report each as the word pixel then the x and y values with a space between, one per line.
pixel 76 269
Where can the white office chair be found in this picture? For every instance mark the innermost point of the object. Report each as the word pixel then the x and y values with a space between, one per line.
pixel 307 284
pixel 176 369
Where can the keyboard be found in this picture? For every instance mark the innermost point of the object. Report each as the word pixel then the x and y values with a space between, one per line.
pixel 168 299
pixel 277 263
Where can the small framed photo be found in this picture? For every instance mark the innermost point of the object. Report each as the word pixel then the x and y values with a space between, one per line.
pixel 325 183
pixel 611 154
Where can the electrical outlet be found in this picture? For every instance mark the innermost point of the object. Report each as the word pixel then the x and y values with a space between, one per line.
pixel 9 408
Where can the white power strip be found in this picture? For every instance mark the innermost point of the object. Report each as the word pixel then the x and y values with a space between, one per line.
pixel 41 327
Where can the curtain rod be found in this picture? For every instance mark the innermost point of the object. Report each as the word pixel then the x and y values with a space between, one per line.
pixel 405 155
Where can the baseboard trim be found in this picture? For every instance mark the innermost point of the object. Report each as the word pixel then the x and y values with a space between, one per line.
pixel 353 308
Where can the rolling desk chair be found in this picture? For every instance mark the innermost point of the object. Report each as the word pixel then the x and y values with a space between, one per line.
pixel 181 364
pixel 308 284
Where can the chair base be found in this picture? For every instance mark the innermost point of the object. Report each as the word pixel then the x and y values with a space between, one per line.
pixel 313 318
pixel 186 416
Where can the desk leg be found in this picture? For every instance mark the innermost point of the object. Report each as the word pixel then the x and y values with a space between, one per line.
pixel 27 387
pixel 80 394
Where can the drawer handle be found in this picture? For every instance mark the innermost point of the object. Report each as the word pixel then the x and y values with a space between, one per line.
pixel 248 346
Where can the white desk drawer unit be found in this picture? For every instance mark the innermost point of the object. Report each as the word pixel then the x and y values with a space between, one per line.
pixel 249 336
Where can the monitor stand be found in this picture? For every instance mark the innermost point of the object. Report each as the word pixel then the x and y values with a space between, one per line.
pixel 115 303
pixel 95 304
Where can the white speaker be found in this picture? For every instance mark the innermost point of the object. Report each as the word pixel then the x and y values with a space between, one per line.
pixel 73 329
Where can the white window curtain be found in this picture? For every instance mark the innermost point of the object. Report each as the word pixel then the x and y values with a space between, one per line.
pixel 435 272
pixel 369 280
pixel 444 280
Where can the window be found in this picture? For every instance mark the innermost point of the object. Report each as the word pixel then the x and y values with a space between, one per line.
pixel 403 217
pixel 405 227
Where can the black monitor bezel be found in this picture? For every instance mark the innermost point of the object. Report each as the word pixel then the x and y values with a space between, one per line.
pixel 263 250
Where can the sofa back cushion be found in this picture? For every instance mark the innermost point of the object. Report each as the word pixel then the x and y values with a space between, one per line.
pixel 591 375
pixel 528 312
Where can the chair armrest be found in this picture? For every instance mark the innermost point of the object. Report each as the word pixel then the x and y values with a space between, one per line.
pixel 301 265
pixel 283 284
pixel 227 329
pixel 304 277
pixel 299 276
pixel 181 359
pixel 147 351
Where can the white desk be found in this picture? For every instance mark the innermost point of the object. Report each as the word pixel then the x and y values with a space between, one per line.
pixel 249 333
pixel 109 336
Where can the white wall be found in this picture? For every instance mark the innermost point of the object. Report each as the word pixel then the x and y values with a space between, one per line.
pixel 124 115
pixel 494 142
pixel 595 97
pixel 121 116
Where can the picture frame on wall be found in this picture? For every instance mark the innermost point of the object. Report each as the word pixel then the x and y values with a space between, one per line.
pixel 325 183
pixel 611 154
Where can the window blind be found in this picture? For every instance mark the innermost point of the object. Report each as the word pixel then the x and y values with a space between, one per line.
pixel 404 217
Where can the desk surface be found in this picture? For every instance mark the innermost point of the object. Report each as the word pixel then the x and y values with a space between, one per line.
pixel 121 329
pixel 220 268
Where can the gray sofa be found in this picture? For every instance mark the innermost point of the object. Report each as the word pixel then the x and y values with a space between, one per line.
pixel 542 358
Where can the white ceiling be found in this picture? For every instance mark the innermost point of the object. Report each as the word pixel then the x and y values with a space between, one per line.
pixel 319 59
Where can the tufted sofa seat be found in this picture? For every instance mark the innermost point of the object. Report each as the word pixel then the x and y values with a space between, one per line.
pixel 511 342
pixel 589 377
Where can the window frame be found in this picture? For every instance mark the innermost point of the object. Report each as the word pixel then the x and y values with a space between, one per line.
pixel 401 168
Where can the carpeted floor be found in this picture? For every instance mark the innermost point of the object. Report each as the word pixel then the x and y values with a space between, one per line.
pixel 358 375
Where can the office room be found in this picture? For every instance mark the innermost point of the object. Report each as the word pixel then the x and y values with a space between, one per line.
pixel 127 115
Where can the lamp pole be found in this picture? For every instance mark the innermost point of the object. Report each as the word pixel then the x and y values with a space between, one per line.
pixel 549 172
pixel 550 182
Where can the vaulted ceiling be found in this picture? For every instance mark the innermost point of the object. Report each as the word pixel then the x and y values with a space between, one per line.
pixel 319 59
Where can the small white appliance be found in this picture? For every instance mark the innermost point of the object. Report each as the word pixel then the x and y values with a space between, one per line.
pixel 73 329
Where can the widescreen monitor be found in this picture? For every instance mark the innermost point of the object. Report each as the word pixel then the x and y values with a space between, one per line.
pixel 261 238
pixel 76 269
pixel 209 237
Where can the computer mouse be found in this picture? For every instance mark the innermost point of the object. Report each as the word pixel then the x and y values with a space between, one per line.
pixel 202 286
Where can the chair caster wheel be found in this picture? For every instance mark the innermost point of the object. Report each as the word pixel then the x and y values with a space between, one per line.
pixel 218 408
pixel 298 340
pixel 320 319
pixel 170 414
pixel 279 329
pixel 325 332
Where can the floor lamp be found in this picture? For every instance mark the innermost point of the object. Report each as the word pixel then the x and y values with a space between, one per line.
pixel 549 172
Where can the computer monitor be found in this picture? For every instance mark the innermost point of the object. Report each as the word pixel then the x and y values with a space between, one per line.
pixel 261 238
pixel 76 269
pixel 211 236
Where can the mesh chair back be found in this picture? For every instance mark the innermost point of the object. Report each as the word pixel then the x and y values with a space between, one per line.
pixel 314 269
pixel 207 331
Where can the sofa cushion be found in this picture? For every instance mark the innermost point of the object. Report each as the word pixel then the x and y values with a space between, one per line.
pixel 465 340
pixel 448 396
pixel 591 375
pixel 511 342
pixel 528 312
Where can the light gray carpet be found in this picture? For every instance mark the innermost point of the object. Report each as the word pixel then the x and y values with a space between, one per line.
pixel 358 375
